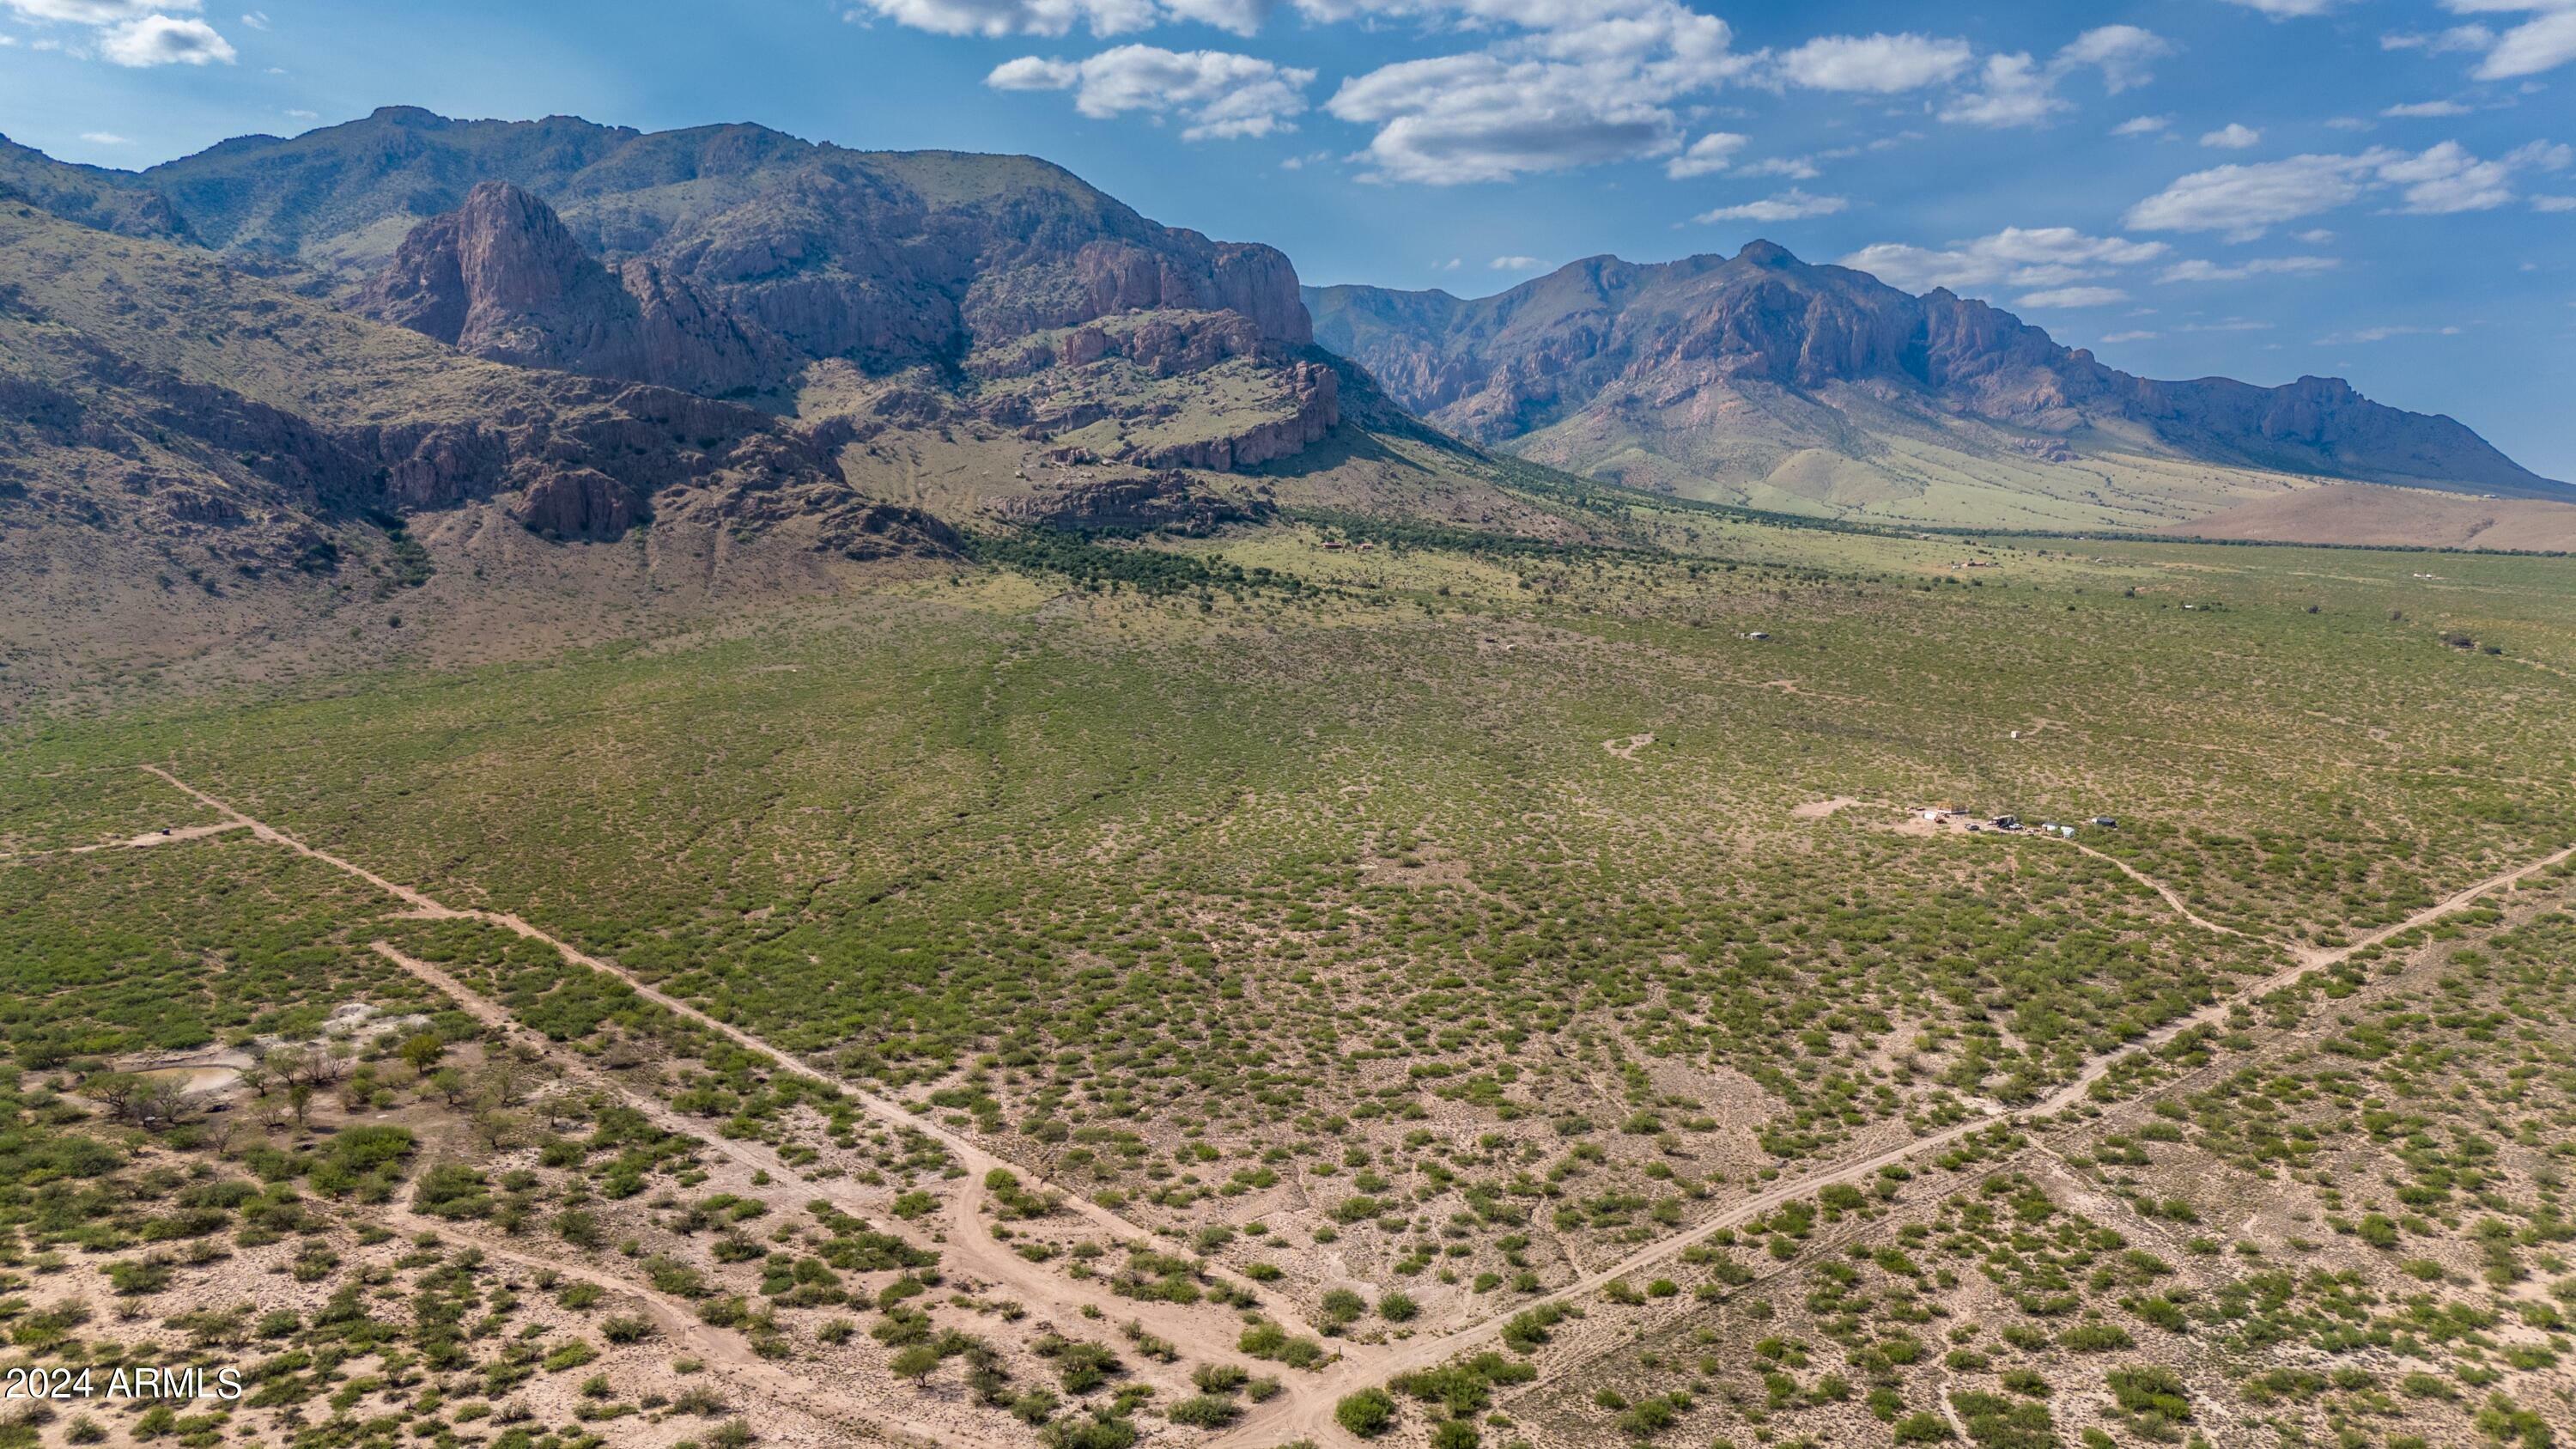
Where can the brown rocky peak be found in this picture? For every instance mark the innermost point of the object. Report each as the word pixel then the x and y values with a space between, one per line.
pixel 501 277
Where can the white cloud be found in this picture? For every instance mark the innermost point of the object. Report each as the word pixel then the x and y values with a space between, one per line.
pixel 94 12
pixel 2016 90
pixel 2447 179
pixel 2424 110
pixel 2016 256
pixel 1790 205
pixel 2128 337
pixel 2073 297
pixel 2553 205
pixel 1599 84
pixel 2287 9
pixel 2143 126
pixel 994 19
pixel 2233 137
pixel 2015 93
pixel 2448 42
pixel 1707 156
pixel 1787 168
pixel 2245 201
pixel 135 33
pixel 105 138
pixel 2545 42
pixel 2123 53
pixel 1516 264
pixel 164 40
pixel 1220 95
pixel 2382 334
pixel 2201 271
pixel 255 19
pixel 1878 64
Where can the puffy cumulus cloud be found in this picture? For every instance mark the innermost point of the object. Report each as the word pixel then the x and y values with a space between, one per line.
pixel 1879 64
pixel 164 40
pixel 2143 126
pixel 2553 205
pixel 2423 110
pixel 2017 90
pixel 1790 205
pixel 1218 94
pixel 2063 297
pixel 2201 271
pixel 2448 179
pixel 2233 137
pixel 136 33
pixel 1599 82
pixel 1707 156
pixel 1516 264
pixel 2245 201
pixel 2046 256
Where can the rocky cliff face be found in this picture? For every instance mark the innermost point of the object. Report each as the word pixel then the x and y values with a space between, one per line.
pixel 1584 349
pixel 502 278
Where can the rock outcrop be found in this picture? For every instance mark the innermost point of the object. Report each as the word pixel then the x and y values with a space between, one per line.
pixel 502 278
pixel 1133 503
pixel 1315 393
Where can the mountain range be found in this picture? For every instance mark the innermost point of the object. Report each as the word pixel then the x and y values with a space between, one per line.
pixel 1760 378
pixel 297 372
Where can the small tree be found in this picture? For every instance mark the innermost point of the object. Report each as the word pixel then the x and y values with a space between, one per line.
pixel 916 1363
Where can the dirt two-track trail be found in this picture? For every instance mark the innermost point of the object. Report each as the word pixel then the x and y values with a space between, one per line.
pixel 1305 1409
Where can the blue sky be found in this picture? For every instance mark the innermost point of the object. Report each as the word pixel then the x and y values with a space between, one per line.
pixel 2377 189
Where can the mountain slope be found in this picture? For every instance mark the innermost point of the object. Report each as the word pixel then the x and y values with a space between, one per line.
pixel 1764 379
pixel 888 257
pixel 114 201
pixel 153 391
pixel 890 288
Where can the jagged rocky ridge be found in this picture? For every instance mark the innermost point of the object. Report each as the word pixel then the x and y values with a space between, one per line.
pixel 1626 340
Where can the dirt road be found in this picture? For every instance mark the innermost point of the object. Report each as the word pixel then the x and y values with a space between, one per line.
pixel 1207 1334
pixel 1305 1411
